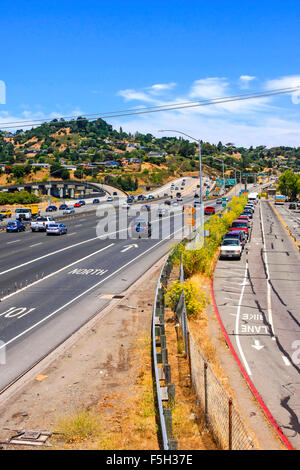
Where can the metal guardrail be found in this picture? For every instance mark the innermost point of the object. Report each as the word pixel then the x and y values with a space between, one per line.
pixel 165 394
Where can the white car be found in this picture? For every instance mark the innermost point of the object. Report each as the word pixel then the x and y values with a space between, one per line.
pixel 109 199
pixel 125 205
pixel 69 210
pixel 231 248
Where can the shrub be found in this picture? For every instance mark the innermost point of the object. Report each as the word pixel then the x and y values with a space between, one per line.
pixel 195 299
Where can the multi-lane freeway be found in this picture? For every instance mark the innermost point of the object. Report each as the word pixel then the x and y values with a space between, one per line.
pixel 50 286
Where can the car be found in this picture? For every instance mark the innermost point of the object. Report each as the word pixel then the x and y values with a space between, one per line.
pixel 178 194
pixel 51 209
pixel 141 197
pixel 209 210
pixel 140 228
pixel 237 235
pixel 166 195
pixel 69 210
pixel 130 199
pixel 292 206
pixel 82 202
pixel 168 202
pixel 176 188
pixel 231 248
pixel 6 212
pixel 298 204
pixel 77 204
pixel 63 207
pixel 145 207
pixel 174 203
pixel 41 223
pixel 161 212
pixel 179 199
pixel 244 217
pixel 109 199
pixel 196 195
pixel 96 201
pixel 1 217
pixel 197 204
pixel 15 226
pixel 115 193
pixel 150 196
pixel 240 225
pixel 56 229
pixel 248 213
pixel 125 205
pixel 219 200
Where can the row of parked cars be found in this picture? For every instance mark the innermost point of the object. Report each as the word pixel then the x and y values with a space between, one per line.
pixel 235 240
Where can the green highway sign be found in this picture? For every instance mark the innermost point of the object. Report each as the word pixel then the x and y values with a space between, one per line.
pixel 220 181
pixel 230 181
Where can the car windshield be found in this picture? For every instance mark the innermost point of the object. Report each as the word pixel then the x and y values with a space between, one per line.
pixel 18 211
pixel 229 241
pixel 239 224
pixel 12 224
pixel 53 225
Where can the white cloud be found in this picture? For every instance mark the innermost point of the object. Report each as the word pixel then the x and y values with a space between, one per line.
pixel 289 81
pixel 130 95
pixel 245 80
pixel 209 88
pixel 161 87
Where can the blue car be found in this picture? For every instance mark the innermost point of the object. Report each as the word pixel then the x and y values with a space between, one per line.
pixel 63 207
pixel 15 226
pixel 141 197
pixel 51 209
pixel 56 229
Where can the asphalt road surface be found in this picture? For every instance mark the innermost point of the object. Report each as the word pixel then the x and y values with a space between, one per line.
pixel 258 299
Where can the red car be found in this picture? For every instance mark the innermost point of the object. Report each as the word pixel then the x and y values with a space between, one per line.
pixel 244 217
pixel 78 204
pixel 209 210
pixel 240 225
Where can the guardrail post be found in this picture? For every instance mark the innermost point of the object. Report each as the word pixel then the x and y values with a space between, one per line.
pixel 163 342
pixel 171 394
pixel 168 420
pixel 167 371
pixel 164 355
pixel 173 444
pixel 230 424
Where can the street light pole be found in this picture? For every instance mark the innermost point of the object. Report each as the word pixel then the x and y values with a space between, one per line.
pixel 200 156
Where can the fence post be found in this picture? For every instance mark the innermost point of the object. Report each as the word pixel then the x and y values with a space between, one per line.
pixel 167 371
pixel 189 357
pixel 168 420
pixel 205 394
pixel 230 424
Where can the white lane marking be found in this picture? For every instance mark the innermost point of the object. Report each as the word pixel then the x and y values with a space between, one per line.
pixel 257 345
pixel 286 361
pixel 73 233
pixel 36 244
pixel 269 302
pixel 14 241
pixel 78 225
pixel 55 272
pixel 80 295
pixel 72 246
pixel 237 320
pixel 128 247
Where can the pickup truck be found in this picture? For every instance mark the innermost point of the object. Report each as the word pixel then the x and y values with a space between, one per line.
pixel 41 224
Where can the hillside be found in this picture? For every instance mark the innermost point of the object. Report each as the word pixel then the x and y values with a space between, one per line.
pixel 85 149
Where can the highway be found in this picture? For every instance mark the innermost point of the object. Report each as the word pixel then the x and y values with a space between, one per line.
pixel 258 300
pixel 50 286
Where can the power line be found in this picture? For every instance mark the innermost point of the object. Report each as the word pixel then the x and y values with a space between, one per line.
pixel 153 109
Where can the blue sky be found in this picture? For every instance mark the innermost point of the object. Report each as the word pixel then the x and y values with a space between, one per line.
pixel 82 57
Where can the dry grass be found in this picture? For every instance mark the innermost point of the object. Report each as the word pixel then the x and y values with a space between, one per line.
pixel 131 425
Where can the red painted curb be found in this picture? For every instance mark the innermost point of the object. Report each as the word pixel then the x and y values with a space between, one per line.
pixel 257 396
